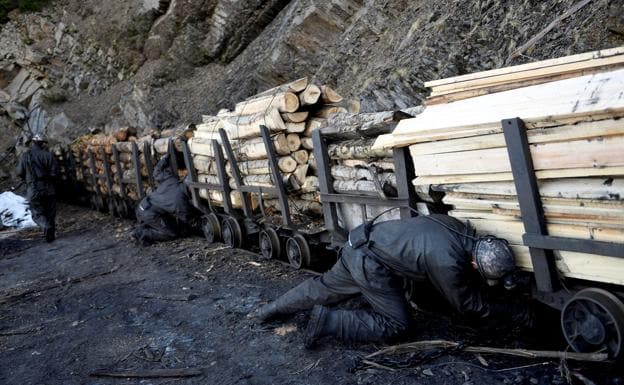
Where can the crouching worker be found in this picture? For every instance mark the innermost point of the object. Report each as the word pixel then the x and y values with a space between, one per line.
pixel 373 263
pixel 166 213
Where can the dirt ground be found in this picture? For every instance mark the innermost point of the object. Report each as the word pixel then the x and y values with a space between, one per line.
pixel 93 301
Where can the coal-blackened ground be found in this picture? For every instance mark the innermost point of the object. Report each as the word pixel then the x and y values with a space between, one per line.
pixel 94 301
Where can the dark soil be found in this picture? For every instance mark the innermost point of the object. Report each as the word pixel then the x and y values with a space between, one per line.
pixel 94 301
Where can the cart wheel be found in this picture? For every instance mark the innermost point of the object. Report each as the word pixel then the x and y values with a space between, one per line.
pixel 298 251
pixel 232 233
pixel 593 320
pixel 211 228
pixel 269 243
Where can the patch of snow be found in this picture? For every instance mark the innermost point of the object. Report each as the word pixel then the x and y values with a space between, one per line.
pixel 14 211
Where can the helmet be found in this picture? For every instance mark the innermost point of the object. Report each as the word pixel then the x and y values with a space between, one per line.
pixel 39 138
pixel 494 258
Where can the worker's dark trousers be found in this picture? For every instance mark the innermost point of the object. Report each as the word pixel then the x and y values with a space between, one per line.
pixel 43 210
pixel 153 226
pixel 354 273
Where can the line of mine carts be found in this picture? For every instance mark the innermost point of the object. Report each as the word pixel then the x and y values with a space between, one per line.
pixel 289 171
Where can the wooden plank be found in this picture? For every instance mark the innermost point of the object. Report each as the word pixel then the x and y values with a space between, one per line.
pixel 588 56
pixel 585 94
pixel 507 176
pixel 578 265
pixel 531 75
pixel 597 153
pixel 583 188
pixel 536 135
pixel 511 215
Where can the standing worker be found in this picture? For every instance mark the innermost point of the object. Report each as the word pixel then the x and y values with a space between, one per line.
pixel 166 213
pixel 373 263
pixel 38 168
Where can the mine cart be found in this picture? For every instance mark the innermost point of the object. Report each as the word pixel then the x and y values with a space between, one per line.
pixel 592 312
pixel 220 222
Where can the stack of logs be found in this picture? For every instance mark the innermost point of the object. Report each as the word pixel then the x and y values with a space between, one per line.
pixel 291 112
pixel 575 135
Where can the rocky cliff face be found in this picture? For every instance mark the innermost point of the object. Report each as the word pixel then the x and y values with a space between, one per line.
pixel 79 65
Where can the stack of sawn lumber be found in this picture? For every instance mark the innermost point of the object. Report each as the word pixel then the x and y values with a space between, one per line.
pixel 291 112
pixel 572 108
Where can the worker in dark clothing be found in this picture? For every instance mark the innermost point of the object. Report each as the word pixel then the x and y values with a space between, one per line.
pixel 38 168
pixel 373 263
pixel 167 212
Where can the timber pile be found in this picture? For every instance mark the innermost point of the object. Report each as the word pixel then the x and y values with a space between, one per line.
pixel 291 112
pixel 101 145
pixel 356 168
pixel 572 108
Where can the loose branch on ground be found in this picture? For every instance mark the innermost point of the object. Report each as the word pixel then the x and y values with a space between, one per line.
pixel 437 344
pixel 153 373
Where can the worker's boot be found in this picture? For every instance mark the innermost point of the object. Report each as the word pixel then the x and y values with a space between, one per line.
pixel 49 233
pixel 316 326
pixel 290 302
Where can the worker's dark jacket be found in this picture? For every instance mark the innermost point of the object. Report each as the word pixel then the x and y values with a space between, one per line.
pixel 38 168
pixel 161 214
pixel 410 248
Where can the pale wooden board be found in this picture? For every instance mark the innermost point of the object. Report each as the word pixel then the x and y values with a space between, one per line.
pixel 588 56
pixel 583 94
pixel 598 153
pixel 530 75
pixel 581 130
pixel 508 176
pixel 515 216
pixel 584 188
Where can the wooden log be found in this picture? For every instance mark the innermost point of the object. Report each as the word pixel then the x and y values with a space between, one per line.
pixel 294 87
pixel 312 162
pixel 286 164
pixel 351 126
pixel 297 206
pixel 251 149
pixel 205 164
pixel 326 111
pixel 312 125
pixel 161 145
pixel 329 95
pixel 383 164
pixel 302 156
pixel 295 117
pixel 582 188
pixel 300 173
pixel 267 181
pixel 294 142
pixel 209 179
pixel 216 198
pixel 596 153
pixel 356 173
pixel 363 187
pixel 201 147
pixel 310 95
pixel 295 128
pixel 311 184
pixel 284 102
pixel 242 127
pixel 307 143
pixel 356 149
pixel 123 147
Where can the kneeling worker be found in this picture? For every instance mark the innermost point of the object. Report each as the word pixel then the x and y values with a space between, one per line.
pixel 437 248
pixel 167 212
